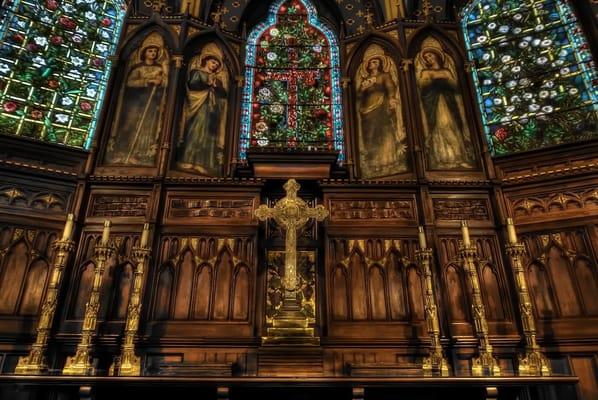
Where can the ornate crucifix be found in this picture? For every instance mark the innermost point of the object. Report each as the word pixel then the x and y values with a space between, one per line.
pixel 292 77
pixel 291 213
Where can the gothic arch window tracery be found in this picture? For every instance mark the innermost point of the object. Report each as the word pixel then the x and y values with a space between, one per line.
pixel 292 96
pixel 534 73
pixel 54 66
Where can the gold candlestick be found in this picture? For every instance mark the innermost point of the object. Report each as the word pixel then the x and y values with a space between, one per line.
pixel 81 363
pixel 35 362
pixel 435 362
pixel 533 362
pixel 485 363
pixel 128 364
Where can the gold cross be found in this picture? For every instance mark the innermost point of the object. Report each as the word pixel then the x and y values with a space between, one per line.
pixel 158 5
pixel 291 213
pixel 369 17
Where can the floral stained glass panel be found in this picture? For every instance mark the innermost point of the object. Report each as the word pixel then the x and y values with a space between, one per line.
pixel 54 62
pixel 292 96
pixel 536 80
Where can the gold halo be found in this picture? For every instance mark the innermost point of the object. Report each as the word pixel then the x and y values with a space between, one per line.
pixel 152 40
pixel 375 51
pixel 210 50
pixel 432 45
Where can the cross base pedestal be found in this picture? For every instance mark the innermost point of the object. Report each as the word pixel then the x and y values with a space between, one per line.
pixel 290 326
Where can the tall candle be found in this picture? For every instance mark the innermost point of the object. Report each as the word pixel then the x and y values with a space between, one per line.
pixel 144 236
pixel 106 232
pixel 465 234
pixel 422 238
pixel 67 234
pixel 511 231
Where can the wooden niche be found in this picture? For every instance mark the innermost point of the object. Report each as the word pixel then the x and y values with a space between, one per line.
pixel 563 284
pixel 25 259
pixel 204 279
pixel 374 289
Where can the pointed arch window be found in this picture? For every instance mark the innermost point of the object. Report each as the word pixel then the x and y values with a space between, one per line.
pixel 536 81
pixel 54 66
pixel 292 97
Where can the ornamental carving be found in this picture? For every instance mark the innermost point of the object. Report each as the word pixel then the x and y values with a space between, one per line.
pixel 387 210
pixel 461 209
pixel 554 202
pixel 234 208
pixel 119 206
pixel 33 198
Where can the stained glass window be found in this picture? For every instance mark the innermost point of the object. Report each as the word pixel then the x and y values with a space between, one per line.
pixel 54 62
pixel 292 96
pixel 536 80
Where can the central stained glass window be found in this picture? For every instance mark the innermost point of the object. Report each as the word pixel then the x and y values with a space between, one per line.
pixel 292 98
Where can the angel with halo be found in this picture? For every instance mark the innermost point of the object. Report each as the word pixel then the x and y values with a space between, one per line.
pixel 381 131
pixel 447 137
pixel 201 143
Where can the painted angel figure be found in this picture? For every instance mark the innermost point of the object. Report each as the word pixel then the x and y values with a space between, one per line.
pixel 201 143
pixel 381 131
pixel 447 137
pixel 140 106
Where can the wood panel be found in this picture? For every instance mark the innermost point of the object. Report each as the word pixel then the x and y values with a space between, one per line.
pixel 493 282
pixel 25 258
pixel 373 288
pixel 207 279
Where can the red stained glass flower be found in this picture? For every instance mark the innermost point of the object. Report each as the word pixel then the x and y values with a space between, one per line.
pixel 56 40
pixel 106 22
pixel 18 38
pixel 85 106
pixel 501 134
pixel 36 114
pixel 53 84
pixel 51 5
pixel 67 22
pixel 10 106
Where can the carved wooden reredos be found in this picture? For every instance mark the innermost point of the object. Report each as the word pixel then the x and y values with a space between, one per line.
pixel 373 107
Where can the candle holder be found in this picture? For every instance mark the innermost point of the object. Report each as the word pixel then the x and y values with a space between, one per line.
pixel 81 363
pixel 533 362
pixel 128 364
pixel 435 362
pixel 35 362
pixel 485 363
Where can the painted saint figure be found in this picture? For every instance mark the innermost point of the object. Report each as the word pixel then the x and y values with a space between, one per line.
pixel 381 131
pixel 447 136
pixel 201 143
pixel 140 107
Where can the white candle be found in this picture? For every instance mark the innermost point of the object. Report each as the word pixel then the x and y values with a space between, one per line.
pixel 67 234
pixel 465 234
pixel 144 236
pixel 106 233
pixel 422 238
pixel 511 231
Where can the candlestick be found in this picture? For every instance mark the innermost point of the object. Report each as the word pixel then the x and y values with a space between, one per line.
pixel 465 234
pixel 435 362
pixel 67 234
pixel 144 236
pixel 422 238
pixel 511 231
pixel 128 363
pixel 533 362
pixel 106 233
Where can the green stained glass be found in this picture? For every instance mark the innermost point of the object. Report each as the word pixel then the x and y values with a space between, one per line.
pixel 54 65
pixel 534 73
